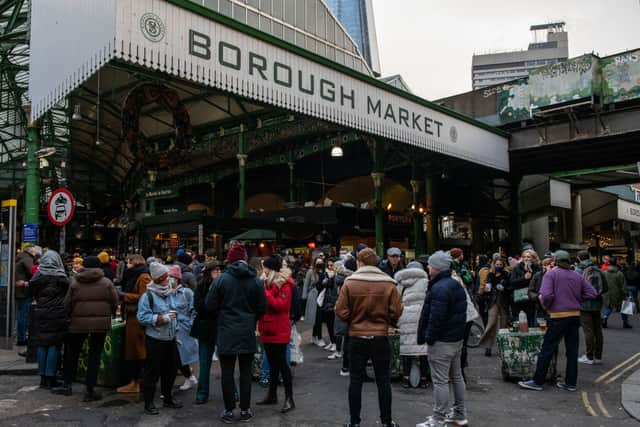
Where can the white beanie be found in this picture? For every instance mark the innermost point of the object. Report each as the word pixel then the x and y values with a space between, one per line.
pixel 158 270
pixel 440 260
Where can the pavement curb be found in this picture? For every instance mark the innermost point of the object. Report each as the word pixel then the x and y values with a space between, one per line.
pixel 631 395
pixel 19 371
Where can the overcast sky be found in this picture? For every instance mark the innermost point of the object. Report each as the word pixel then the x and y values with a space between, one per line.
pixel 430 43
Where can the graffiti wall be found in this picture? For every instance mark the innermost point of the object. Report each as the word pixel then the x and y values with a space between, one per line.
pixel 568 81
pixel 513 101
pixel 621 77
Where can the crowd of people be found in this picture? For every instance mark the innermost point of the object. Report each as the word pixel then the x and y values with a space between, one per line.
pixel 195 309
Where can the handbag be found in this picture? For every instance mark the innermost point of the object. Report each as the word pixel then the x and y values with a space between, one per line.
pixel 628 307
pixel 521 295
pixel 320 299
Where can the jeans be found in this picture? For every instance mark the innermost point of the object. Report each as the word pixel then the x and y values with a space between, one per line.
pixel 161 363
pixel 73 348
pixel 205 353
pixel 407 364
pixel 276 353
pixel 379 351
pixel 592 326
pixel 227 366
pixel 445 364
pixel 464 355
pixel 48 360
pixel 569 329
pixel 22 308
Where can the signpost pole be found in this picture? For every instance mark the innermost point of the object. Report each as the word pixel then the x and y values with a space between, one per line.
pixel 32 186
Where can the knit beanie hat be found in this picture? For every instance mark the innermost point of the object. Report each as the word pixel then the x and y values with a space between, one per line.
pixel 415 264
pixel 185 259
pixel 90 262
pixel 367 256
pixel 103 257
pixel 440 260
pixel 237 253
pixel 175 271
pixel 361 246
pixel 273 263
pixel 455 253
pixel 158 270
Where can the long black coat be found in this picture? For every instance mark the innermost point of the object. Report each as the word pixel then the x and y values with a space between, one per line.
pixel 205 325
pixel 238 301
pixel 49 316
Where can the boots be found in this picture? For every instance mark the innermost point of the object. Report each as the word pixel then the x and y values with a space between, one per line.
pixel 64 390
pixel 288 405
pixel 132 387
pixel 53 382
pixel 271 398
pixel 90 395
pixel 604 322
pixel 43 382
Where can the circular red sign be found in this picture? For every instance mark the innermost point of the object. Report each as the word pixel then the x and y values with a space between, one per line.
pixel 61 207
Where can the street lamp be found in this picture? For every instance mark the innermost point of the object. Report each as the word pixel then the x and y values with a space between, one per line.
pixel 337 151
pixel 77 115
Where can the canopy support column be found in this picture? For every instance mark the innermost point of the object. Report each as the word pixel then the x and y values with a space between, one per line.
pixel 516 219
pixel 242 180
pixel 432 216
pixel 292 192
pixel 417 219
pixel 377 176
pixel 32 185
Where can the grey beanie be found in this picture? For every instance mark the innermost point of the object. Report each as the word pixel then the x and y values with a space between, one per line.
pixel 415 264
pixel 440 260
pixel 158 270
pixel 562 256
pixel 151 259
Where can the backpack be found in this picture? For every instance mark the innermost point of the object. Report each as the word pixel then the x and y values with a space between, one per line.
pixel 595 277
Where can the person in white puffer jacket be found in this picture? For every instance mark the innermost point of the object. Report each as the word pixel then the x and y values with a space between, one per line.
pixel 413 283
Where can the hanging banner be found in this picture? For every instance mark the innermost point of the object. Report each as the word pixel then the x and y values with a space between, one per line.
pixel 61 207
pixel 193 43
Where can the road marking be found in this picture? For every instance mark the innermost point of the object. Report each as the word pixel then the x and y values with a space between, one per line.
pixel 621 373
pixel 600 404
pixel 587 404
pixel 615 368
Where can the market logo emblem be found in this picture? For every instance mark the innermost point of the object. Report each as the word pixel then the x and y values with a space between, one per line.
pixel 453 134
pixel 152 27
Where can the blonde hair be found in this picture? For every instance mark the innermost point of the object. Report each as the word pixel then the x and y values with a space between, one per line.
pixel 534 255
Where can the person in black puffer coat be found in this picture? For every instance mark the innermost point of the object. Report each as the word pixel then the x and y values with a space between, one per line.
pixel 205 327
pixel 48 288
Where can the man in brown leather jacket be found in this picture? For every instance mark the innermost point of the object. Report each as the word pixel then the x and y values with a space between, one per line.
pixel 370 303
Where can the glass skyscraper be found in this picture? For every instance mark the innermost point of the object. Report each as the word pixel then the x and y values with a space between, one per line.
pixel 357 18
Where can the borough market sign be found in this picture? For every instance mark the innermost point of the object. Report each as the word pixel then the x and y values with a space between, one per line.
pixel 194 45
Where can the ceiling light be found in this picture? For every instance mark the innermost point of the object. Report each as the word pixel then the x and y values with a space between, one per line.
pixel 45 152
pixel 337 151
pixel 77 115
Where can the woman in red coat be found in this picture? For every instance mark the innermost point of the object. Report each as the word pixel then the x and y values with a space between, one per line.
pixel 275 330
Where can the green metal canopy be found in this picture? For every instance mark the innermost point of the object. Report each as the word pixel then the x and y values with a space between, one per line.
pixel 256 234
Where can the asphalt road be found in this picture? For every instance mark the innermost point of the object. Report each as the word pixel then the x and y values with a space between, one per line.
pixel 321 397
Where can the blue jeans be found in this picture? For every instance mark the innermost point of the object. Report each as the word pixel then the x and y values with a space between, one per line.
pixel 569 329
pixel 22 309
pixel 205 352
pixel 48 360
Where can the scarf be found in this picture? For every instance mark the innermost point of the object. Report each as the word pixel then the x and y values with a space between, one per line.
pixel 51 265
pixel 160 290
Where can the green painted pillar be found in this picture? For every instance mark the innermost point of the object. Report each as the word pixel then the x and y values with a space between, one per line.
pixel 417 219
pixel 32 185
pixel 378 176
pixel 292 190
pixel 242 180
pixel 432 216
pixel 516 216
pixel 151 184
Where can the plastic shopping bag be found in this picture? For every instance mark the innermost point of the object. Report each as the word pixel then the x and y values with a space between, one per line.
pixel 296 349
pixel 628 307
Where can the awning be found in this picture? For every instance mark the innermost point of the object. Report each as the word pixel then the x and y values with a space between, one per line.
pixel 255 234
pixel 71 40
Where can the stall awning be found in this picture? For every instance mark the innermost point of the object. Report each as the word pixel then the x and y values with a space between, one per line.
pixel 255 234
pixel 71 40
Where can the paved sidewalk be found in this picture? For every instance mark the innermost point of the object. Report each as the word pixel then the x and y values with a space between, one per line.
pixel 12 364
pixel 631 395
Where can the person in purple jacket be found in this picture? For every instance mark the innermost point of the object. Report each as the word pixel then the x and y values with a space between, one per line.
pixel 561 294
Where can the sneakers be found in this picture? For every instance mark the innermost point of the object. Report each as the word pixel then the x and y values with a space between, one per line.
pixel 597 361
pixel 391 424
pixel 330 347
pixel 227 417
pixel 344 372
pixel 246 416
pixel 132 387
pixel 335 355
pixel 189 383
pixel 456 420
pixel 584 359
pixel 432 422
pixel 566 387
pixel 320 342
pixel 530 385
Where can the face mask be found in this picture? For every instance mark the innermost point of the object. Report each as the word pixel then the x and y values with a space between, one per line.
pixel 499 267
pixel 172 282
pixel 331 273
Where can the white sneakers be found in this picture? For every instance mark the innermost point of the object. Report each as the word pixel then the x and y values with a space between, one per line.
pixel 431 422
pixel 189 383
pixel 330 347
pixel 584 359
pixel 318 341
pixel 335 355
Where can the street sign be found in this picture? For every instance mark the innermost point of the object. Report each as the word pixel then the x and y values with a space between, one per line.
pixel 30 233
pixel 61 207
